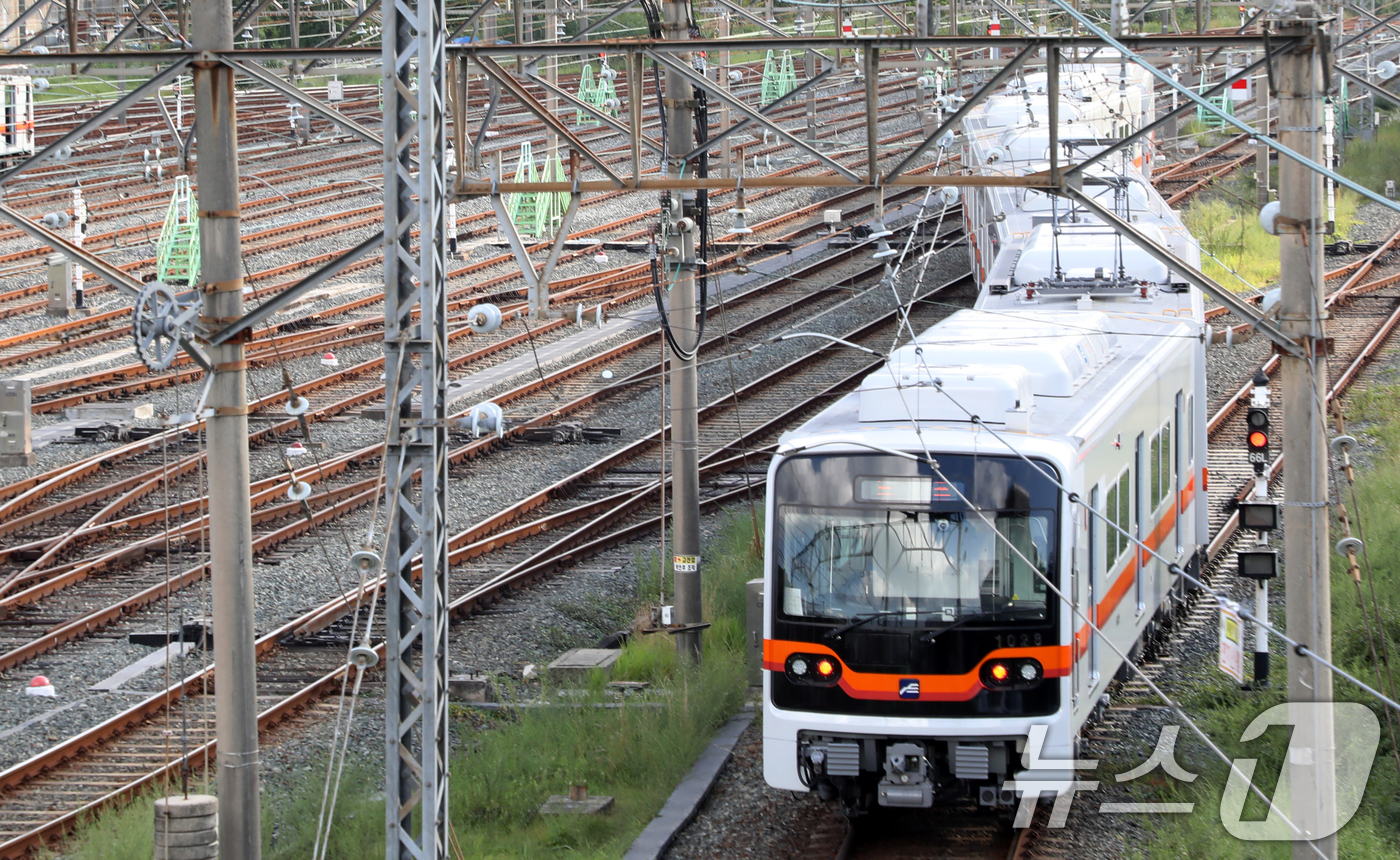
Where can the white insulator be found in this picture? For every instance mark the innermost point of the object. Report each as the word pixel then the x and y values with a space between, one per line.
pixel 297 407
pixel 736 77
pixel 299 491
pixel 1387 70
pixel 146 156
pixel 160 172
pixel 949 195
pixel 685 225
pixel 41 85
pixel 57 220
pixel 1268 218
pixel 608 73
pixel 611 103
pixel 929 82
pixel 947 140
pixel 996 154
pixel 1271 299
pixel 40 49
pixel 940 102
pixel 63 153
pixel 484 318
pixel 487 418
pixel 740 225
pixel 363 656
pixel 156 154
pixel 365 561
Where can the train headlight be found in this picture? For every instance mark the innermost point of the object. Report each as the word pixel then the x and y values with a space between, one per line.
pixel 1021 673
pixel 813 669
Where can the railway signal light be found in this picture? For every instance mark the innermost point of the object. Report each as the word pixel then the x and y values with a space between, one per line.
pixel 1257 440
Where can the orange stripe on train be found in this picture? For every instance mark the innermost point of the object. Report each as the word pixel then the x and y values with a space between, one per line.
pixel 932 688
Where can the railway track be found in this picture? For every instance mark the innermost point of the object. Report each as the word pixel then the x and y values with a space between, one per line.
pixel 108 325
pixel 600 504
pixel 610 509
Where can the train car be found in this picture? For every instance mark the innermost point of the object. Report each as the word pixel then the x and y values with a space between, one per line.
pixel 17 136
pixel 930 577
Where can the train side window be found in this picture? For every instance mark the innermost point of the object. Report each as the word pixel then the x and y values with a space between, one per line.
pixel 1117 510
pixel 1095 563
pixel 1164 464
pixel 1154 470
pixel 1190 429
pixel 1140 514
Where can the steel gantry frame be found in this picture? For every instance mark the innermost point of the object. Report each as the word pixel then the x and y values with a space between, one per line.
pixel 415 359
pixel 415 58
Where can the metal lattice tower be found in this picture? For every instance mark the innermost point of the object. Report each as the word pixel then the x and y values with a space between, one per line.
pixel 177 250
pixel 415 355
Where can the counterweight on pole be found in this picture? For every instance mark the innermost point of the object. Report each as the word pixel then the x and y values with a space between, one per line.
pixel 230 518
pixel 415 355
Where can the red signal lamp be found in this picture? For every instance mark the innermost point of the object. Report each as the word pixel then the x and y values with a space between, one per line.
pixel 1258 439
pixel 821 670
pixel 999 671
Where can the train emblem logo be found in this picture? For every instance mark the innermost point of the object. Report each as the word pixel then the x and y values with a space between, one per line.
pixel 909 688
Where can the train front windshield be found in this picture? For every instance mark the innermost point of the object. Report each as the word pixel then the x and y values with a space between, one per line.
pixel 866 534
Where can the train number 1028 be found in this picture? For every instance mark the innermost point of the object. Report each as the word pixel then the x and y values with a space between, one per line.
pixel 1015 640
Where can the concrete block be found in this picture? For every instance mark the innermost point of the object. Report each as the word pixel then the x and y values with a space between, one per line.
pixel 576 665
pixel 576 802
pixel 198 823
pixel 476 689
pixel 186 839
pixel 109 413
pixel 187 852
pixel 187 828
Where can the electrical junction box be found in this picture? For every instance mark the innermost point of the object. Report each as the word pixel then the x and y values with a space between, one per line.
pixel 16 429
pixel 754 602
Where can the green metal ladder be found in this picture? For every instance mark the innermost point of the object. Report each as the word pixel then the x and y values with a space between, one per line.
pixel 177 250
pixel 1222 102
pixel 524 206
pixel 588 94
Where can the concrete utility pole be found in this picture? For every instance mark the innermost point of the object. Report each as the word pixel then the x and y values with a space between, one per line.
pixel 1305 527
pixel 230 520
pixel 685 431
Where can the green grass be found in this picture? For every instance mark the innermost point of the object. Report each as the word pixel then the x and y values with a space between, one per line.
pixel 507 763
pixel 1372 162
pixel 1223 711
pixel 1227 225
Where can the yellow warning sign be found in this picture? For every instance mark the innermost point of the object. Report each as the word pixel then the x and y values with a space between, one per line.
pixel 686 563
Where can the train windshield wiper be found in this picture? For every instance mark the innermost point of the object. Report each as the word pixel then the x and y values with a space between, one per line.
pixel 865 619
pixel 998 615
pixel 1001 614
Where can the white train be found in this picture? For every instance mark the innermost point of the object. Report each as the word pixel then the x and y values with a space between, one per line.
pixel 913 651
pixel 17 133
